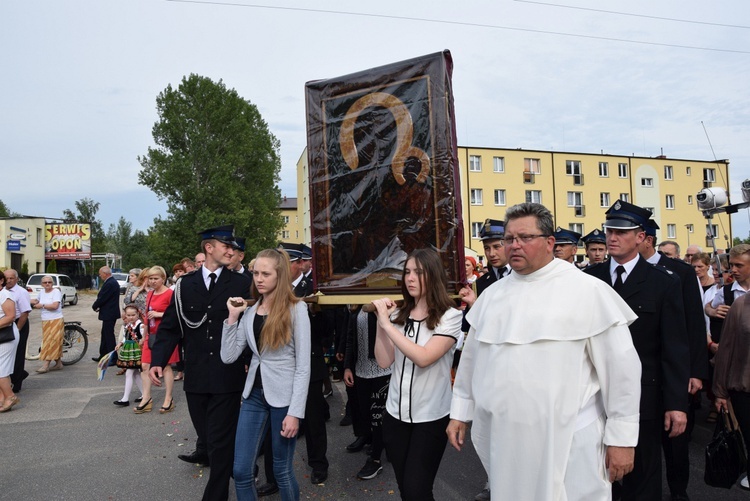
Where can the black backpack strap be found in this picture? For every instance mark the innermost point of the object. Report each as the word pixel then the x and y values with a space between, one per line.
pixel 728 295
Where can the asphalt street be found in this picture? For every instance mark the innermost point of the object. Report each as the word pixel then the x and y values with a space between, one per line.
pixel 66 440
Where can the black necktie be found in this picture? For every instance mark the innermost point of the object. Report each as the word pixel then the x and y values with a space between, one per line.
pixel 500 272
pixel 212 276
pixel 618 281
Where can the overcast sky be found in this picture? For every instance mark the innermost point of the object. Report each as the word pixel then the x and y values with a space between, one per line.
pixel 80 80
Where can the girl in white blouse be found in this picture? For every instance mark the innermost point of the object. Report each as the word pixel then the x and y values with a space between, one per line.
pixel 417 341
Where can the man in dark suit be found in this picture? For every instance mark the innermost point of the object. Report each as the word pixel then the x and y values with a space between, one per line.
pixel 566 244
pixel 239 256
pixel 676 450
pixel 108 305
pixel 659 337
pixel 213 389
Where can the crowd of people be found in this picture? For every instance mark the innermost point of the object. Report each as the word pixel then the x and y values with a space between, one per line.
pixel 584 407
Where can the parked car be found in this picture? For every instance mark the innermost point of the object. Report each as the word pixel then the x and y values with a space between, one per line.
pixel 123 279
pixel 61 282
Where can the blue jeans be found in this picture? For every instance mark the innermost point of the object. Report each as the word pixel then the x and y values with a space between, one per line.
pixel 255 418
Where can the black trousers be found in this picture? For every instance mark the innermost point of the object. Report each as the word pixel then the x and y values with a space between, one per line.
pixel 371 397
pixel 316 436
pixel 19 370
pixel 214 417
pixel 107 343
pixel 677 455
pixel 644 482
pixel 741 405
pixel 415 451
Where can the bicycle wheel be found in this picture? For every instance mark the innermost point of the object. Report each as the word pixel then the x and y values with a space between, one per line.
pixel 75 344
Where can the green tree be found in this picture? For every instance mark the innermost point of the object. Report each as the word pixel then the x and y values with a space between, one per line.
pixel 215 162
pixel 52 266
pixel 87 209
pixel 132 246
pixel 4 210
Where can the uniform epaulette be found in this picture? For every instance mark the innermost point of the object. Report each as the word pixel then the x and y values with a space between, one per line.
pixel 662 269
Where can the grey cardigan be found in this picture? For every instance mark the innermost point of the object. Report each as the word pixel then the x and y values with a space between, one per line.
pixel 285 372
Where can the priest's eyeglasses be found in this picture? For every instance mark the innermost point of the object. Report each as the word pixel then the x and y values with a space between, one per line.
pixel 521 239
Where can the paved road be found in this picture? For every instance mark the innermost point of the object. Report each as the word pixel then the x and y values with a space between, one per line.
pixel 68 441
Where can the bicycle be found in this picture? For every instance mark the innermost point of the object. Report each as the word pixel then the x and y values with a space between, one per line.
pixel 74 345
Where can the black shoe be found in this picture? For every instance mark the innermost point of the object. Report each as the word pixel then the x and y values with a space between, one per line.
pixel 328 393
pixel 195 457
pixel 121 403
pixel 96 359
pixel 267 490
pixel 680 497
pixel 358 444
pixel 346 421
pixel 138 400
pixel 371 469
pixel 318 477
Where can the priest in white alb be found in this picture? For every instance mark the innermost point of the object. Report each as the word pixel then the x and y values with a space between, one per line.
pixel 549 377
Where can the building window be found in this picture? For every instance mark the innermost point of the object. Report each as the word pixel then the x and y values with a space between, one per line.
pixel 532 165
pixel 296 219
pixel 578 228
pixel 668 173
pixel 296 234
pixel 690 228
pixel 709 176
pixel 690 199
pixel 622 170
pixel 286 219
pixel 285 234
pixel 647 182
pixel 534 196
pixel 575 200
pixel 712 229
pixel 475 229
pixel 688 171
pixel 498 164
pixel 475 163
pixel 39 241
pixel 603 169
pixel 476 196
pixel 671 231
pixel 604 199
pixel 625 197
pixel 499 197
pixel 670 201
pixel 573 168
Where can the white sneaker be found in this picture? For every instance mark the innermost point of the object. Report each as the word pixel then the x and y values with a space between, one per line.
pixel 744 483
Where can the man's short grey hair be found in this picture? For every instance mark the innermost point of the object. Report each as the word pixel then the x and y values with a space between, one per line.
pixel 12 272
pixel 671 242
pixel 544 220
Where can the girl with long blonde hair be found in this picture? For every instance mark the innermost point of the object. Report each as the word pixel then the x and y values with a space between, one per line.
pixel 277 331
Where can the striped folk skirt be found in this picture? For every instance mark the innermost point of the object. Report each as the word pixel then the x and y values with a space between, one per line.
pixel 52 339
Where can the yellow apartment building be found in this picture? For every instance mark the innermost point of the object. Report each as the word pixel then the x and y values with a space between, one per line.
pixel 578 188
pixel 22 240
pixel 292 230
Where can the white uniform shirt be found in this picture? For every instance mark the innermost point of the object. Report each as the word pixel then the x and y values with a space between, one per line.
pixel 422 394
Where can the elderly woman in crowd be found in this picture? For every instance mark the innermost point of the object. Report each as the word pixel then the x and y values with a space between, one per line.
pixel 8 349
pixel 137 290
pixel 53 325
